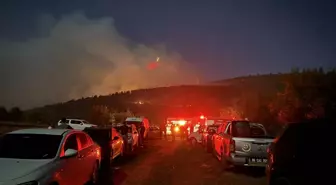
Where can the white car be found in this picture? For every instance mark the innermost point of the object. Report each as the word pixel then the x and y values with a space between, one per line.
pixel 78 124
pixel 48 157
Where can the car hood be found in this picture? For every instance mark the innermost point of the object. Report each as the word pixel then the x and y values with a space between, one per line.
pixel 15 168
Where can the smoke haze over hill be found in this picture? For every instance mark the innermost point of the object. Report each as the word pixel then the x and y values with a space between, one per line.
pixel 77 57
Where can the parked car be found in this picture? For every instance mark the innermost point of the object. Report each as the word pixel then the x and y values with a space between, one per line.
pixel 111 142
pixel 207 136
pixel 301 154
pixel 236 143
pixel 48 156
pixel 78 124
pixel 139 121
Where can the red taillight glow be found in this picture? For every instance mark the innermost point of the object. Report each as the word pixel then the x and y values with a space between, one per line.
pixel 98 152
pixel 270 148
pixel 202 117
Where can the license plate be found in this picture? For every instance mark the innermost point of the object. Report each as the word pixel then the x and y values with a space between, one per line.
pixel 258 160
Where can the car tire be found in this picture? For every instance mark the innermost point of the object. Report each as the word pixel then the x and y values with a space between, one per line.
pixel 224 163
pixel 281 181
pixel 94 175
pixel 209 147
pixel 122 152
pixel 193 142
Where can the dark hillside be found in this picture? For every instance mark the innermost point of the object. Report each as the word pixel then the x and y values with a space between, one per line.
pixel 271 98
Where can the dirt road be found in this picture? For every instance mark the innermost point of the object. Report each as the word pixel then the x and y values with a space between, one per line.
pixel 177 163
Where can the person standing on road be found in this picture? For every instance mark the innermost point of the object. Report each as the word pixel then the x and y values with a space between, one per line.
pixel 172 131
pixel 163 130
pixel 129 146
pixel 142 134
pixel 123 132
pixel 183 132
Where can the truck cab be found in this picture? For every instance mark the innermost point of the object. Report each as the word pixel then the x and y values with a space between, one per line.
pixel 241 143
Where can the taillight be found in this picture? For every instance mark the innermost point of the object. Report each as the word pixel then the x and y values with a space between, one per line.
pixel 98 152
pixel 270 148
pixel 270 151
pixel 232 146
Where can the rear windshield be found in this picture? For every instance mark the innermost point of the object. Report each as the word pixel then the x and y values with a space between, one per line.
pixel 245 129
pixel 99 135
pixel 212 128
pixel 29 146
pixel 136 123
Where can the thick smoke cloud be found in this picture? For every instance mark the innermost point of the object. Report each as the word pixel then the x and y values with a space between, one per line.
pixel 77 57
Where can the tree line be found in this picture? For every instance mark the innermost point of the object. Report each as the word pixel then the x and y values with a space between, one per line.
pixel 273 99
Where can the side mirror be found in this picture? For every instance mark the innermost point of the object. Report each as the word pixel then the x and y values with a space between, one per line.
pixel 115 138
pixel 70 153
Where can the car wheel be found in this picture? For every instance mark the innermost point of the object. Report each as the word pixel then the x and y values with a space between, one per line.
pixel 224 162
pixel 281 181
pixel 122 152
pixel 214 153
pixel 193 142
pixel 94 175
pixel 209 147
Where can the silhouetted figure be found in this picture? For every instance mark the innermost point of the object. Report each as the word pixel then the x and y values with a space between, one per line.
pixel 142 133
pixel 163 130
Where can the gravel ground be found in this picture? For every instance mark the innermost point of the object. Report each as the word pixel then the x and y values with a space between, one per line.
pixel 177 163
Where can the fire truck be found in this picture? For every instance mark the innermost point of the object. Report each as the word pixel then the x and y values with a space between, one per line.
pixel 192 124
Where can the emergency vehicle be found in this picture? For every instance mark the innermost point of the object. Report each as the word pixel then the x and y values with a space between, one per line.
pixel 200 125
pixel 176 123
pixel 193 124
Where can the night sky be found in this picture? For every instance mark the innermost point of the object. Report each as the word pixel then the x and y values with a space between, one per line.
pixel 221 39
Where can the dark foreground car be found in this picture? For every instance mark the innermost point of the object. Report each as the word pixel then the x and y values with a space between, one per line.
pixel 103 137
pixel 303 154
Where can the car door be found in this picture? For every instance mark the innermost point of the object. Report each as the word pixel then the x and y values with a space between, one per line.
pixel 226 139
pixel 69 173
pixel 217 139
pixel 85 156
pixel 135 134
pixel 116 143
pixel 75 124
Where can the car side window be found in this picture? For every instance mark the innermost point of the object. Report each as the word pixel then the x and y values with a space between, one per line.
pixel 71 143
pixel 219 129
pixel 89 139
pixel 228 129
pixel 75 122
pixel 83 140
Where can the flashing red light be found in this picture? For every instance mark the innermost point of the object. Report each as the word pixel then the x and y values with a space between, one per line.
pixel 202 117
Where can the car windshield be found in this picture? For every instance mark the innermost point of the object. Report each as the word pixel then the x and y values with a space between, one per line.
pixel 245 129
pixel 85 122
pixel 212 128
pixel 136 123
pixel 29 146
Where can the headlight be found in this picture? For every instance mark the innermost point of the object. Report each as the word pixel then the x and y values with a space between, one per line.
pixel 30 183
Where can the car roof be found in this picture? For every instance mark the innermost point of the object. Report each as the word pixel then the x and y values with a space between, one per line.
pixel 73 119
pixel 41 131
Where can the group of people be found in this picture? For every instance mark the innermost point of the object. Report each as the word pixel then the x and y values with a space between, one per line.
pixel 182 131
pixel 126 132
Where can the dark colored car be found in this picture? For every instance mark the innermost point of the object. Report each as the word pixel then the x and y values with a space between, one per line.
pixel 303 154
pixel 103 137
pixel 207 137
